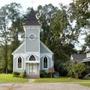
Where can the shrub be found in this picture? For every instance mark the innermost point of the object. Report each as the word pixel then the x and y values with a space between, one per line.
pixel 43 74
pixel 46 74
pixel 88 78
pixel 62 69
pixel 56 74
pixel 76 69
pixel 16 74
pixel 1 70
pixel 23 75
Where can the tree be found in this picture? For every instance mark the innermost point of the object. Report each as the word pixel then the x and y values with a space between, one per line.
pixel 62 37
pixel 79 12
pixel 4 36
pixel 15 17
pixel 10 14
pixel 76 69
pixel 44 14
pixel 87 40
pixel 54 34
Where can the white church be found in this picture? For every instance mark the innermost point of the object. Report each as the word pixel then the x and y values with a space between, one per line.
pixel 32 55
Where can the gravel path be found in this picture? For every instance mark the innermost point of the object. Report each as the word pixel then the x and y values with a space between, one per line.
pixel 43 86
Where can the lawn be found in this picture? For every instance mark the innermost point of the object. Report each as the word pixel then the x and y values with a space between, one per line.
pixel 63 80
pixel 8 78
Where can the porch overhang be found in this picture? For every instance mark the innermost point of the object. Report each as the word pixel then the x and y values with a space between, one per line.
pixel 86 60
pixel 32 62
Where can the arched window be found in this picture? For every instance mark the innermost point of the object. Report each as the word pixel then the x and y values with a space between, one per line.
pixel 19 62
pixel 45 62
pixel 32 58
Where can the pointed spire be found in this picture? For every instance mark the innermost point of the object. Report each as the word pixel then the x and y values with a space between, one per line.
pixel 31 19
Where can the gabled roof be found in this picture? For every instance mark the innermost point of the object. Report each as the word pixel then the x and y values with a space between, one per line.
pixel 31 19
pixel 78 57
pixel 43 49
pixel 87 50
pixel 86 59
pixel 20 49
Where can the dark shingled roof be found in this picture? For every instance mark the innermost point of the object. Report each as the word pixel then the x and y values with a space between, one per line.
pixel 31 19
pixel 88 50
pixel 78 57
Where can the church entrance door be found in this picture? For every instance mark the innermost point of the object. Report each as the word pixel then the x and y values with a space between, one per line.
pixel 32 69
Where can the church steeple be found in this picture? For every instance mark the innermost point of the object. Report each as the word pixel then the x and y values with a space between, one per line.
pixel 32 33
pixel 31 19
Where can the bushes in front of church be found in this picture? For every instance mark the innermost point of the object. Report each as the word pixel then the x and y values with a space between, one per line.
pixel 17 74
pixel 23 75
pixel 45 74
pixel 76 70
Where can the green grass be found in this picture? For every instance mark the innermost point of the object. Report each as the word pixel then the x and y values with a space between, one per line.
pixel 85 84
pixel 8 78
pixel 54 80
pixel 64 80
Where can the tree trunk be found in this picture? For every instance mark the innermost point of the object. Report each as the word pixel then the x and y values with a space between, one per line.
pixel 5 48
pixel 76 76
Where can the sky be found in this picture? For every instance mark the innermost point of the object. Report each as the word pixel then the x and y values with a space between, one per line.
pixel 35 3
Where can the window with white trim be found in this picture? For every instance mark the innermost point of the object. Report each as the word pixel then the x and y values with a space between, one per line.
pixel 32 58
pixel 19 62
pixel 45 62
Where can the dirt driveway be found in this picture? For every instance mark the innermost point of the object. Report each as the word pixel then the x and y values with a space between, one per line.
pixel 43 86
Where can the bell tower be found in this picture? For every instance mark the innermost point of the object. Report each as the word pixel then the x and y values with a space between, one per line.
pixel 32 33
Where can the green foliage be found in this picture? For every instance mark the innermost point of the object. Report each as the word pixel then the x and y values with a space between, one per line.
pixel 8 78
pixel 23 75
pixel 44 14
pixel 87 40
pixel 16 74
pixel 81 13
pixel 62 70
pixel 45 74
pixel 76 69
pixel 59 22
pixel 11 12
pixel 54 24
pixel 63 79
